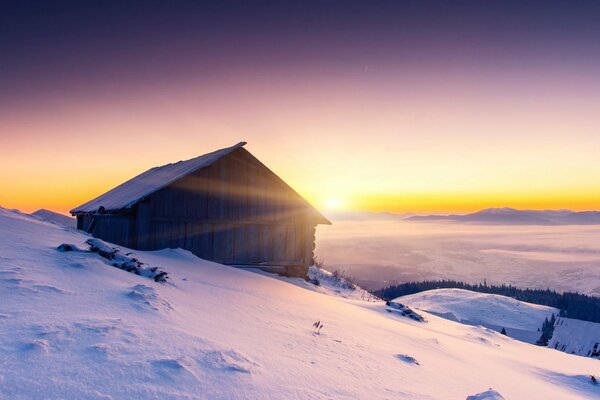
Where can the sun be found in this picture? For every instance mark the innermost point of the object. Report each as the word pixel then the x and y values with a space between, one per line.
pixel 334 204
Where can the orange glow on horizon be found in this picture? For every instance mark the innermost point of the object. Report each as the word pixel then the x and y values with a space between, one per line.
pixel 409 150
pixel 65 197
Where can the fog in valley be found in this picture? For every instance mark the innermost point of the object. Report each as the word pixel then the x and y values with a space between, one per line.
pixel 385 250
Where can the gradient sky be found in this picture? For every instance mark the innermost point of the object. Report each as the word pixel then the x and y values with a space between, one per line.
pixel 381 105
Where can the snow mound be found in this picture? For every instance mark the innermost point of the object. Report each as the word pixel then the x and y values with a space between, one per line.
pixel 56 218
pixel 36 345
pixel 521 320
pixel 228 360
pixel 147 297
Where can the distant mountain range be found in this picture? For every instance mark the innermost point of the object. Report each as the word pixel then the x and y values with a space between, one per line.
pixel 365 216
pixel 511 216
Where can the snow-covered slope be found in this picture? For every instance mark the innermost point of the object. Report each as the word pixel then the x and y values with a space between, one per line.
pixel 520 320
pixel 576 337
pixel 74 327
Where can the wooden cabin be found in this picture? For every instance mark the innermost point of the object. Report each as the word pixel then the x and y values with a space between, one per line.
pixel 225 206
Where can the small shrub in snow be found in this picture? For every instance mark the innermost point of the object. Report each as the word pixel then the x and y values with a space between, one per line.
pixel 338 283
pixel 345 281
pixel 124 262
pixel 317 326
pixel 337 278
pixel 318 263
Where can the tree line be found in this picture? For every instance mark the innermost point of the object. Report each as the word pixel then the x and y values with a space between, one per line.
pixel 571 304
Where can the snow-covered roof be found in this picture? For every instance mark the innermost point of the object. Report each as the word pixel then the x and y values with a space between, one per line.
pixel 131 192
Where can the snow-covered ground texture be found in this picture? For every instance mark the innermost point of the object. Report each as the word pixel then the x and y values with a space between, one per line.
pixel 576 337
pixel 385 251
pixel 326 282
pixel 520 320
pixel 74 327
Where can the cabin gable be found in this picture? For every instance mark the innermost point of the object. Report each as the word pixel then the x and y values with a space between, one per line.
pixel 234 211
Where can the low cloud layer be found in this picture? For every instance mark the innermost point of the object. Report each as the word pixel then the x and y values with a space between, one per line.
pixel 382 252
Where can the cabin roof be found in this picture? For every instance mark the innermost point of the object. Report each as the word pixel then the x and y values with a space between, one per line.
pixel 128 194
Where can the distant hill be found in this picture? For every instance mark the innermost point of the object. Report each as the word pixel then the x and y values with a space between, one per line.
pixel 55 217
pixel 511 216
pixel 519 319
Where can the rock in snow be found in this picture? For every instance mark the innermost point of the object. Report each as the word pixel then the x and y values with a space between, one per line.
pixel 74 327
pixel 487 395
pixel 404 310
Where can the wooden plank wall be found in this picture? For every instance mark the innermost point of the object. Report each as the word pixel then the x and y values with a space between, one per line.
pixel 117 229
pixel 143 232
pixel 235 212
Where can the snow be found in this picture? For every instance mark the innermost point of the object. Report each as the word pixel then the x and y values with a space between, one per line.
pixel 73 327
pixel 55 217
pixel 520 319
pixel 576 337
pixel 131 192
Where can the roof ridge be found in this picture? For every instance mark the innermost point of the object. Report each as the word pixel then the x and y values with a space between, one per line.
pixel 229 149
pixel 132 191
